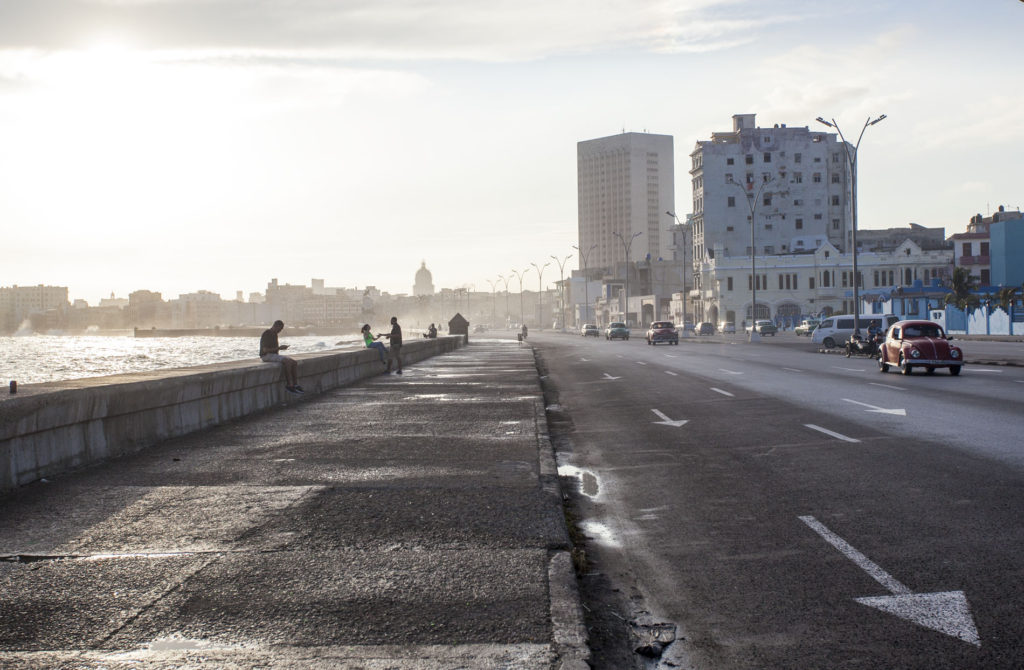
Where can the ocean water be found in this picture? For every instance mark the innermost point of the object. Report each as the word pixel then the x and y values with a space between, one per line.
pixel 31 359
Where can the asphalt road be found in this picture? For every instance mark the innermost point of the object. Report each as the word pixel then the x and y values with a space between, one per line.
pixel 791 509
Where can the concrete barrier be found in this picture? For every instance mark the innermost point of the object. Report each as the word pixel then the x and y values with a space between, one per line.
pixel 48 428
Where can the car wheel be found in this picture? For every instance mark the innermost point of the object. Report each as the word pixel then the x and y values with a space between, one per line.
pixel 882 367
pixel 649 343
pixel 828 342
pixel 905 367
pixel 955 369
pixel 627 338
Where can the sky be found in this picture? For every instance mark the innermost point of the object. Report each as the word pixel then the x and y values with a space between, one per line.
pixel 186 145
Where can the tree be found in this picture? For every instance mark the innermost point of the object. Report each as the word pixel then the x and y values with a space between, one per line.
pixel 1006 296
pixel 963 285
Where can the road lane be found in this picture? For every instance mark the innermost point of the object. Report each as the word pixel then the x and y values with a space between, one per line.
pixel 703 518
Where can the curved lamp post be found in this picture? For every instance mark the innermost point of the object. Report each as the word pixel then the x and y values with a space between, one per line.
pixel 752 206
pixel 851 159
pixel 682 226
pixel 506 280
pixel 626 246
pixel 519 276
pixel 561 285
pixel 586 279
pixel 540 294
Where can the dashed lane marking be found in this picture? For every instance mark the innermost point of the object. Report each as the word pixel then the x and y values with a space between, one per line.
pixel 726 393
pixel 669 372
pixel 830 433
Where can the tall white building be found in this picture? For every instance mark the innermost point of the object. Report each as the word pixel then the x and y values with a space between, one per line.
pixel 805 200
pixel 625 185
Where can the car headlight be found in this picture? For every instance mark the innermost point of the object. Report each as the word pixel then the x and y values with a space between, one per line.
pixel 954 353
pixel 915 353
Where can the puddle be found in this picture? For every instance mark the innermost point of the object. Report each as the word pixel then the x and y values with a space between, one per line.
pixel 181 643
pixel 599 533
pixel 589 485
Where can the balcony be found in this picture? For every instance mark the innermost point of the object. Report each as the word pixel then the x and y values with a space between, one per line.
pixel 975 260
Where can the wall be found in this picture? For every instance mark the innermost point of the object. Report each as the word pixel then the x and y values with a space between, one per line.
pixel 48 428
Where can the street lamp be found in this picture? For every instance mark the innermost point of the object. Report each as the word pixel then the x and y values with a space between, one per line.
pixel 561 285
pixel 851 159
pixel 506 280
pixel 626 246
pixel 494 300
pixel 586 279
pixel 752 206
pixel 519 276
pixel 540 294
pixel 683 227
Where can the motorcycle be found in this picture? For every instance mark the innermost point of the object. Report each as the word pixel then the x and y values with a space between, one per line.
pixel 857 346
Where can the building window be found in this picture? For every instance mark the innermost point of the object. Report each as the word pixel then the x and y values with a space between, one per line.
pixel 824 279
pixel 876 278
pixel 780 282
pixel 750 282
pixel 984 249
pixel 835 224
pixel 729 161
pixel 835 201
pixel 817 217
pixel 835 158
pixel 768 250
pixel 729 230
pixel 749 159
pixel 728 177
pixel 767 200
pixel 799 224
pixel 967 249
pixel 798 158
pixel 728 283
pixel 844 280
pixel 767 157
pixel 908 277
pixel 796 280
pixel 835 177
pixel 750 177
pixel 799 202
pixel 798 177
pixel 817 178
pixel 985 278
pixel 810 283
pixel 731 201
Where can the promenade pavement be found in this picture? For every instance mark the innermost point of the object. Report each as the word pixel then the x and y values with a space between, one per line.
pixel 409 522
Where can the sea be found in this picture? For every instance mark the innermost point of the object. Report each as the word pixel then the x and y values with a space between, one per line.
pixel 34 358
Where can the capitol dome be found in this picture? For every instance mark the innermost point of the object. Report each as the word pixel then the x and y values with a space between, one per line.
pixel 424 282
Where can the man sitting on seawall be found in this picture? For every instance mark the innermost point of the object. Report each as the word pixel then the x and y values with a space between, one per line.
pixel 269 353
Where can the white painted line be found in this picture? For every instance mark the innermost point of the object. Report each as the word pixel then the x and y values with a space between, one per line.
pixel 879 410
pixel 830 433
pixel 641 363
pixel 792 369
pixel 888 386
pixel 849 369
pixel 669 372
pixel 946 612
pixel 671 356
pixel 722 392
pixel 862 561
pixel 608 376
pixel 665 421
pixel 977 369
pixel 584 360
pixel 731 372
pixel 1018 381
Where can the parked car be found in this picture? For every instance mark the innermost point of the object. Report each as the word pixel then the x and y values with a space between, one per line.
pixel 807 326
pixel 662 331
pixel 835 330
pixel 616 330
pixel 763 327
pixel 727 327
pixel 912 344
pixel 590 330
pixel 688 327
pixel 705 328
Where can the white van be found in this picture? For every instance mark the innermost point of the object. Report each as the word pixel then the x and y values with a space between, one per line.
pixel 834 330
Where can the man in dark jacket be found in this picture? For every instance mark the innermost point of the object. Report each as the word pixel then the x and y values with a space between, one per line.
pixel 395 337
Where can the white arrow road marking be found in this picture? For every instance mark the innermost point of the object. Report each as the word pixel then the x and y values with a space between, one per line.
pixel 897 412
pixel 946 612
pixel 608 376
pixel 731 372
pixel 887 386
pixel 665 421
pixel 722 392
pixel 669 372
pixel 838 436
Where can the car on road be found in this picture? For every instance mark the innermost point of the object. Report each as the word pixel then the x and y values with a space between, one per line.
pixel 590 330
pixel 727 327
pixel 807 327
pixel 662 331
pixel 764 327
pixel 919 344
pixel 705 328
pixel 616 330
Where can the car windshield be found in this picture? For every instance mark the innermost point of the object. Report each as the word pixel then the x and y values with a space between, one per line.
pixel 922 331
pixel 662 324
pixel 617 325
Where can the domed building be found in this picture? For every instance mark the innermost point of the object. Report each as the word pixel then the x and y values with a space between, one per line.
pixel 424 282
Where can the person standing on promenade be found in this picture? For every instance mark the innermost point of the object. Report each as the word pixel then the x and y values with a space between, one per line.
pixel 270 353
pixel 371 343
pixel 395 337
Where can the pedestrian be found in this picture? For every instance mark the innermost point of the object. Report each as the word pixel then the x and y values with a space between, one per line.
pixel 432 332
pixel 270 353
pixel 395 337
pixel 371 343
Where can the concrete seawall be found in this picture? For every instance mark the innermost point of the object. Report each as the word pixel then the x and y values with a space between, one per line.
pixel 48 428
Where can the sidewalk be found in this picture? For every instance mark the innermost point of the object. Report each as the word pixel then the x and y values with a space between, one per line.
pixel 409 522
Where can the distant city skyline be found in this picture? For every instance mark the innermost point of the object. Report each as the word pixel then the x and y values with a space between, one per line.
pixel 178 146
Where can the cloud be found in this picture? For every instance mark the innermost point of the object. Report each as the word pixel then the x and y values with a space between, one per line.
pixel 498 30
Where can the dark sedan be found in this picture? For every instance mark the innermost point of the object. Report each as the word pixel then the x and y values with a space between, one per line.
pixel 662 331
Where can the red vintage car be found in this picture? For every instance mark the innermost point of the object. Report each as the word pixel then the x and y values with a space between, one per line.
pixel 919 344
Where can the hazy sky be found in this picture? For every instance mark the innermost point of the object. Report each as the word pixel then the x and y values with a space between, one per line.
pixel 178 145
